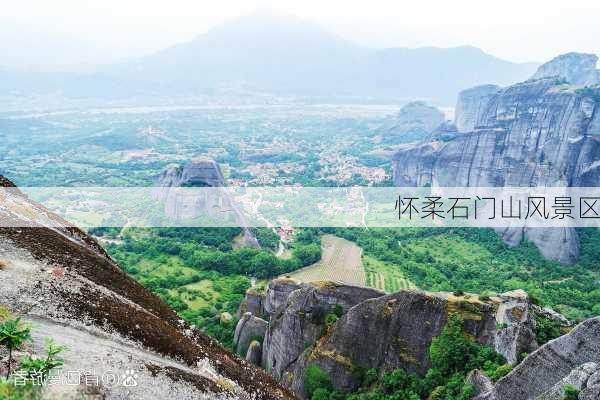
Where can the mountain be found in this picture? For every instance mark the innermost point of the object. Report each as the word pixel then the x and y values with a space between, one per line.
pixel 59 280
pixel 542 132
pixel 265 53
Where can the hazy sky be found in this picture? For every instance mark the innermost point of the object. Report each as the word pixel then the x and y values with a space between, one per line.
pixel 518 30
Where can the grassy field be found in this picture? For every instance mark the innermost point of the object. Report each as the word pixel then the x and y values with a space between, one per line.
pixel 340 262
pixel 343 261
pixel 385 276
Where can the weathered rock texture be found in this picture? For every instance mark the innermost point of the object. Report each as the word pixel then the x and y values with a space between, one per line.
pixel 574 68
pixel 249 328
pixel 380 331
pixel 571 359
pixel 530 134
pixel 184 205
pixel 471 104
pixel 61 281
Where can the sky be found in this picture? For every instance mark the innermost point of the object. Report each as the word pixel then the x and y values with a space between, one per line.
pixel 516 30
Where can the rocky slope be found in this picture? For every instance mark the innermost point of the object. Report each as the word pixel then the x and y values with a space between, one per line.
pixel 68 288
pixel 572 359
pixel 541 132
pixel 377 330
pixel 574 68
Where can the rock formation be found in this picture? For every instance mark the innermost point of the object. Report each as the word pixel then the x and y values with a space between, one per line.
pixel 61 281
pixel 533 133
pixel 570 359
pixel 574 68
pixel 184 205
pixel 470 106
pixel 414 121
pixel 249 328
pixel 381 331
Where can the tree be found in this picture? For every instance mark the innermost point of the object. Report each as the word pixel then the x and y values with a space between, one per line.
pixel 315 378
pixel 12 335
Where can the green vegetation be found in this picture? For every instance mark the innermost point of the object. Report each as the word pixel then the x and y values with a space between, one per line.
pixel 571 393
pixel 452 355
pixel 477 261
pixel 546 329
pixel 198 272
pixel 32 371
pixel 13 334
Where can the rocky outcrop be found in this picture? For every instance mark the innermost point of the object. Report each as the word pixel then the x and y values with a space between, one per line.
pixel 530 134
pixel 183 205
pixel 249 328
pixel 68 288
pixel 254 354
pixel 470 106
pixel 254 303
pixel 574 68
pixel 200 172
pixel 300 321
pixel 381 331
pixel 415 120
pixel 570 359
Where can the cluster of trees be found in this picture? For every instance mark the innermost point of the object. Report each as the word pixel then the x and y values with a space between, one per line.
pixel 452 356
pixel 171 261
pixel 207 250
pixel 477 260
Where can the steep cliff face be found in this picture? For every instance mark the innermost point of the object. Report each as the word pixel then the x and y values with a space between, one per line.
pixel 536 133
pixel 381 331
pixel 571 359
pixel 471 104
pixel 62 282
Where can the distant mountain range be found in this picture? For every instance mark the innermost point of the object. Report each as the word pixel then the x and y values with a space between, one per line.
pixel 288 57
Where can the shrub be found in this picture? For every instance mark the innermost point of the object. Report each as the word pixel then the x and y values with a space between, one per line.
pixel 315 378
pixel 12 335
pixel 571 393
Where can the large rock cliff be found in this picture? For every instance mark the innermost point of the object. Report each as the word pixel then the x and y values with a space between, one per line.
pixel 380 331
pixel 536 133
pixel 62 282
pixel 414 121
pixel 570 359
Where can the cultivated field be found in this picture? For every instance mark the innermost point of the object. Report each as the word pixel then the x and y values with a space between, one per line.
pixel 341 262
pixel 384 276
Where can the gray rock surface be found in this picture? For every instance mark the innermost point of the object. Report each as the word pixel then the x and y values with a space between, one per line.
pixel 480 382
pixel 254 303
pixel 278 291
pixel 380 331
pixel 301 321
pixel 575 68
pixel 61 281
pixel 567 357
pixel 470 106
pixel 249 328
pixel 578 378
pixel 530 134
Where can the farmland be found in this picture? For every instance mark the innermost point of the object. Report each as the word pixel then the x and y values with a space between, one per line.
pixel 341 262
pixel 385 276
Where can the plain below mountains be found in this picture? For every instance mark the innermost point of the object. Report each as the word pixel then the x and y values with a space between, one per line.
pixel 265 54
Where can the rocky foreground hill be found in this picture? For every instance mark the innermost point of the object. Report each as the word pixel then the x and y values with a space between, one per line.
pixel 61 282
pixel 286 330
pixel 542 132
